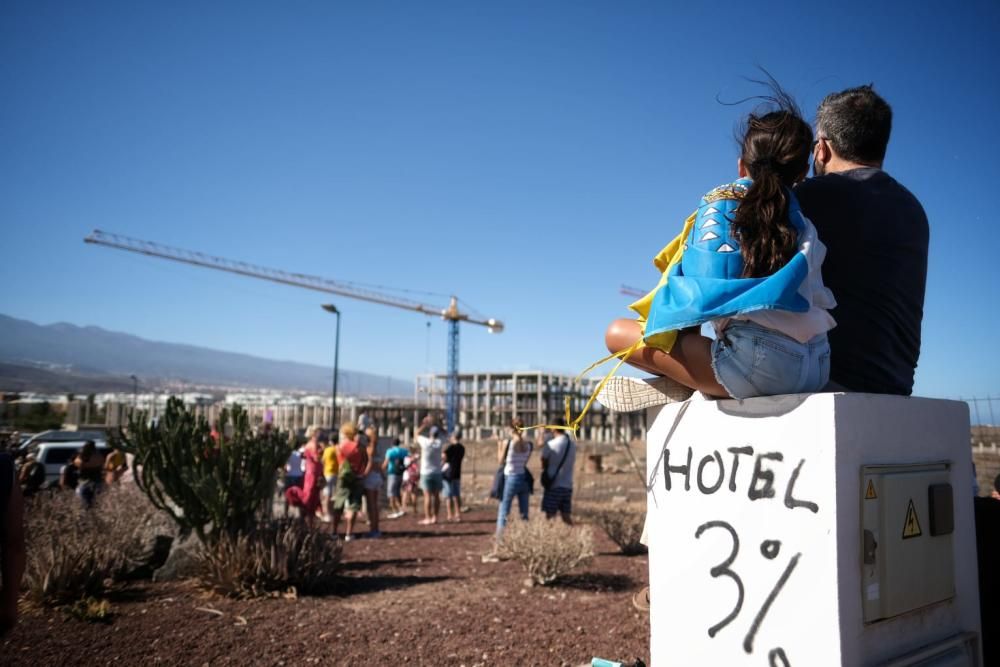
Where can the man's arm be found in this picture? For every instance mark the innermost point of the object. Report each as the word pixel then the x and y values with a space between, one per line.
pixel 370 449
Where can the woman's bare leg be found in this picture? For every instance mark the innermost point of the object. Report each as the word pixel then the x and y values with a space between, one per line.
pixel 371 498
pixel 689 362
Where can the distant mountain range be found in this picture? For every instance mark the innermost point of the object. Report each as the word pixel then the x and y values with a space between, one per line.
pixel 65 357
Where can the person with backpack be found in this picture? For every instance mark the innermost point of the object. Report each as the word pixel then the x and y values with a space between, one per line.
pixel 11 542
pixel 454 453
pixel 513 454
pixel 394 465
pixel 352 459
pixel 31 477
pixel 558 460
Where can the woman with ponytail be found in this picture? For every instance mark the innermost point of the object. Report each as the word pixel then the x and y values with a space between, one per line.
pixel 748 262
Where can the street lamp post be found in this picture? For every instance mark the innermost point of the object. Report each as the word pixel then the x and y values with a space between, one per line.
pixel 330 308
pixel 135 391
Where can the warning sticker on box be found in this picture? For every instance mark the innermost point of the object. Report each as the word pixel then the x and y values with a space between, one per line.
pixel 911 526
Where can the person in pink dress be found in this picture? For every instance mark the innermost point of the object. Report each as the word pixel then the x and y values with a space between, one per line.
pixel 307 498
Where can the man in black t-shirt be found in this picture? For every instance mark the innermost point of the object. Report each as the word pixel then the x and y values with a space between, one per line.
pixel 876 234
pixel 452 473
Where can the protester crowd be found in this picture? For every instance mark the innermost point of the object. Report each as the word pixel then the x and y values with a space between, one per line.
pixel 340 480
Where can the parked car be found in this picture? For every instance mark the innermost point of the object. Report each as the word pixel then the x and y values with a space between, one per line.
pixel 100 439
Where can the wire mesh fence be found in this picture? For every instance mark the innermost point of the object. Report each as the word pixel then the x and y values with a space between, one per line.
pixel 983 411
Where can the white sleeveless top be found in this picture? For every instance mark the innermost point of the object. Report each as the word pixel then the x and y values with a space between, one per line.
pixel 516 460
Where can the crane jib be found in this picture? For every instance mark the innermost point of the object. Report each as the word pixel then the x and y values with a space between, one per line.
pixel 451 313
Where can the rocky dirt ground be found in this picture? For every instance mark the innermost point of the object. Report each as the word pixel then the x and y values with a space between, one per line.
pixel 418 596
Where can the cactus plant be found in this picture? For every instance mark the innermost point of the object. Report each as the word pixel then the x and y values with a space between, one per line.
pixel 206 485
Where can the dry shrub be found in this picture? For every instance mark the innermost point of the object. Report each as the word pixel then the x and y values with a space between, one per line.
pixel 90 610
pixel 74 553
pixel 547 549
pixel 623 525
pixel 275 558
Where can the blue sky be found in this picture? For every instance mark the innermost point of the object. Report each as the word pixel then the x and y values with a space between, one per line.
pixel 528 157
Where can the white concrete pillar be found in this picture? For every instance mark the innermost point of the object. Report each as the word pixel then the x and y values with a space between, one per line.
pixel 513 396
pixel 539 408
pixel 757 512
pixel 489 401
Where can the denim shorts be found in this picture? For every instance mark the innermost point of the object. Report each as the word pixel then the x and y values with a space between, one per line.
pixel 431 482
pixel 750 360
pixel 393 483
pixel 373 481
pixel 452 488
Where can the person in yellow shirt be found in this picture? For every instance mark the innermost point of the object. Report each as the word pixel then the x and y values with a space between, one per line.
pixel 114 466
pixel 330 469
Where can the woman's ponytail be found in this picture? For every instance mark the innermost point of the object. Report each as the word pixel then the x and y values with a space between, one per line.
pixel 775 153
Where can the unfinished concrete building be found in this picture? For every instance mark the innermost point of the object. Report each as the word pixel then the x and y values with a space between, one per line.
pixel 488 401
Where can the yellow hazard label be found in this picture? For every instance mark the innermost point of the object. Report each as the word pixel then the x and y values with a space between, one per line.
pixel 911 526
pixel 870 493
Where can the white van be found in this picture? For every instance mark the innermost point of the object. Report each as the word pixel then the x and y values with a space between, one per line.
pixel 100 438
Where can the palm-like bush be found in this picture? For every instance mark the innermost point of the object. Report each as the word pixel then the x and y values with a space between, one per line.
pixel 73 553
pixel 279 557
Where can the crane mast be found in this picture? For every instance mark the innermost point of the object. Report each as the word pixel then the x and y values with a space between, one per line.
pixel 451 313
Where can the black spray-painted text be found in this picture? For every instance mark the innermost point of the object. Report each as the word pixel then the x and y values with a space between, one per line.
pixel 709 474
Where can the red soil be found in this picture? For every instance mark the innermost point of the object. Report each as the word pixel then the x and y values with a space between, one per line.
pixel 419 595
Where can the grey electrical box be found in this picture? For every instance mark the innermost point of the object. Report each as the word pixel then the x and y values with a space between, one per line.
pixel 907 520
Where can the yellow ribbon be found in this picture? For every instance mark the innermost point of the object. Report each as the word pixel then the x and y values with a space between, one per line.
pixel 573 423
pixel 664 260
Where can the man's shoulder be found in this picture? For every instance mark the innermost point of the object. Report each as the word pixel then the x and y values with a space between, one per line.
pixel 818 186
pixel 861 179
pixel 860 193
pixel 557 444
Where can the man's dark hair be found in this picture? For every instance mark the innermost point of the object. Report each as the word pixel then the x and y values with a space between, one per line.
pixel 857 123
pixel 996 484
